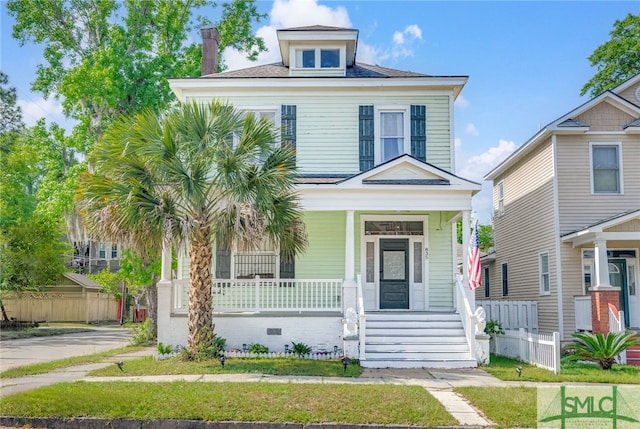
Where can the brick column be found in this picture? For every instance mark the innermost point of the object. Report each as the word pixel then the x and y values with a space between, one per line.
pixel 600 299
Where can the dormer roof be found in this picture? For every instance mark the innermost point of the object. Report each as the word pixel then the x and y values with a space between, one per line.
pixel 317 34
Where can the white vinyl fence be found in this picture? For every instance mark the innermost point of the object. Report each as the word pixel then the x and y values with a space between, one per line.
pixel 512 314
pixel 542 350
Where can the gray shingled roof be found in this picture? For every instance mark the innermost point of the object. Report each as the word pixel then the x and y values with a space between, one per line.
pixel 572 123
pixel 278 70
pixel 635 123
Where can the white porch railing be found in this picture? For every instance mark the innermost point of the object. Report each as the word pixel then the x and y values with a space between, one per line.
pixel 362 318
pixel 542 350
pixel 469 318
pixel 272 295
pixel 512 314
pixel 583 313
pixel 616 325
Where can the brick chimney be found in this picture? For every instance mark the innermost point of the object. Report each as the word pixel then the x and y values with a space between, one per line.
pixel 210 43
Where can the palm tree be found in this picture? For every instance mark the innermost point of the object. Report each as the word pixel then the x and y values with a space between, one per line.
pixel 196 174
pixel 603 348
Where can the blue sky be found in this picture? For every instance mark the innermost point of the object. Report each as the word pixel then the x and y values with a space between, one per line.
pixel 526 61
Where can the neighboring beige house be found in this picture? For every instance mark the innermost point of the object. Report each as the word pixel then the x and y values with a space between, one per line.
pixel 567 217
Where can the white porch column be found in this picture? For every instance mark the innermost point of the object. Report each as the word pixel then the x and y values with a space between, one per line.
pixel 165 301
pixel 601 265
pixel 349 287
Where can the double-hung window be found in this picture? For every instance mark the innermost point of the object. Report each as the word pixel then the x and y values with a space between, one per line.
pixel 271 114
pixel 102 251
pixel 500 198
pixel 393 135
pixel 606 168
pixel 543 266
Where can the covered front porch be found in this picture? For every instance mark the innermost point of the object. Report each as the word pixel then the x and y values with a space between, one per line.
pixel 610 261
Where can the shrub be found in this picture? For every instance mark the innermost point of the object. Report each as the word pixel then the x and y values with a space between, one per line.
pixel 300 349
pixel 257 349
pixel 164 349
pixel 209 346
pixel 142 334
pixel 602 348
pixel 493 328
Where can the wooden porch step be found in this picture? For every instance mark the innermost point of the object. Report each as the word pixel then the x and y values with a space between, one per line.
pixel 633 356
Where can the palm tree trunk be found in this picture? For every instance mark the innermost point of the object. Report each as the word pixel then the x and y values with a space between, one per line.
pixel 151 295
pixel 200 305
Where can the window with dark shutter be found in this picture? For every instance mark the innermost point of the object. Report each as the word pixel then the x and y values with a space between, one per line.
pixel 366 138
pixel 288 120
pixel 419 132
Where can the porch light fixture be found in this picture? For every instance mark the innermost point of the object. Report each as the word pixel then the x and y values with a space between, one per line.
pixel 222 359
pixel 519 370
pixel 345 362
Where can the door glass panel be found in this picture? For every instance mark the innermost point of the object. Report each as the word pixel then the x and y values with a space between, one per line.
pixel 370 262
pixel 632 279
pixel 393 265
pixel 417 262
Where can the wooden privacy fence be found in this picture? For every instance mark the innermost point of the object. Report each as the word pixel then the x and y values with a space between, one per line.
pixel 542 350
pixel 61 306
pixel 512 314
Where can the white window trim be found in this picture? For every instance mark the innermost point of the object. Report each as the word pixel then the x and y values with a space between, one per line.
pixel 620 172
pixel 277 110
pixel 541 274
pixel 500 198
pixel 293 51
pixel 406 110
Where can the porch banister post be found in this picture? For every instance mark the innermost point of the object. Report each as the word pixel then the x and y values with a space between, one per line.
pixel 601 265
pixel 349 288
pixel 466 235
pixel 165 297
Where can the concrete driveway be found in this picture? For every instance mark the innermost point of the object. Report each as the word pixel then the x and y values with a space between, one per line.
pixel 27 351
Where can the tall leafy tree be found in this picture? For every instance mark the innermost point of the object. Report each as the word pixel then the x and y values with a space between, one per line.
pixel 617 59
pixel 196 174
pixel 110 57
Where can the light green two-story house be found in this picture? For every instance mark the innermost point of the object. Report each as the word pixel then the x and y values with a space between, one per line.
pixel 375 156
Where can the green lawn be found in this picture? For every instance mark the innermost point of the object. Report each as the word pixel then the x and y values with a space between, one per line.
pixel 504 369
pixel 506 406
pixel 275 366
pixel 272 402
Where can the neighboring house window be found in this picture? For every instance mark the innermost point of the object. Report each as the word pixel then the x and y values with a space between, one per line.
pixel 606 168
pixel 487 288
pixel 102 252
pixel 114 251
pixel 500 191
pixel 505 280
pixel 543 264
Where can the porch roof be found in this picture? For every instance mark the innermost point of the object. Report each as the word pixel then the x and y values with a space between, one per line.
pixel 597 230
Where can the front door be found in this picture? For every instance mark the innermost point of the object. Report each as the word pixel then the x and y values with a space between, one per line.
pixel 394 274
pixel 618 278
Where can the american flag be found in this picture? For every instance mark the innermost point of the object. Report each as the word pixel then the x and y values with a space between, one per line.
pixel 473 268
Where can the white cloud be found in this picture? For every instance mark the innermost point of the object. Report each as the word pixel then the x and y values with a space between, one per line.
pixel 471 129
pixel 475 167
pixel 33 110
pixel 287 14
pixel 461 102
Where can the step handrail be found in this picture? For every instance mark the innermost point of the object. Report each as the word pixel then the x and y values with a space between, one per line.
pixel 362 318
pixel 473 322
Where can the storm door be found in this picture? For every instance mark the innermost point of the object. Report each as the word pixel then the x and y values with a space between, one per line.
pixel 618 278
pixel 394 274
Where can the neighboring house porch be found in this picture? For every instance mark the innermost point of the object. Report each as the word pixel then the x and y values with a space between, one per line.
pixel 608 254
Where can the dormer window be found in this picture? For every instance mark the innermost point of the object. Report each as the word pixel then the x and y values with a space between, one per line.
pixel 317 58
